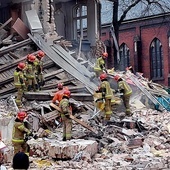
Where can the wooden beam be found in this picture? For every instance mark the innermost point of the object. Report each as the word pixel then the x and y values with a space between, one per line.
pixel 74 118
pixel 6 23
pixel 15 46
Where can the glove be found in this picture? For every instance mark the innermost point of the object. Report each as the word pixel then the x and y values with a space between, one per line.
pixel 21 81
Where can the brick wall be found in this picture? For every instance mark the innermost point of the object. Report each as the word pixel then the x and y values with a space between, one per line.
pixel 146 29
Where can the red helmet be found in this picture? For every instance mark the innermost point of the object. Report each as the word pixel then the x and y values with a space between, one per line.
pixel 117 77
pixel 103 76
pixel 31 58
pixel 21 66
pixel 60 86
pixel 21 115
pixel 105 55
pixel 41 54
pixel 67 93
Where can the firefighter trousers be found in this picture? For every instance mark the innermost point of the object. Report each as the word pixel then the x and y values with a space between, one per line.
pixel 108 109
pixel 67 128
pixel 126 100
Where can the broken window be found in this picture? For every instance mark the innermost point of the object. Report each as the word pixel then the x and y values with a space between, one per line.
pixel 80 21
pixel 156 56
pixel 124 56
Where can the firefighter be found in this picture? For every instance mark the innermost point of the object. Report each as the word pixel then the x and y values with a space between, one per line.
pixel 19 82
pixel 59 94
pixel 19 132
pixel 124 88
pixel 65 115
pixel 107 93
pixel 30 73
pixel 39 68
pixel 100 67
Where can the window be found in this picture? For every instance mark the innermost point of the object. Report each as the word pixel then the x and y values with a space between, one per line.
pixel 156 57
pixel 80 20
pixel 124 56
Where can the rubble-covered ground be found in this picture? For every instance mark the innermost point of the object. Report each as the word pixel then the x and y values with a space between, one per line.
pixel 140 142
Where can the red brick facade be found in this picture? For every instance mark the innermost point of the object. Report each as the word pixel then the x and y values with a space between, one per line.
pixel 146 29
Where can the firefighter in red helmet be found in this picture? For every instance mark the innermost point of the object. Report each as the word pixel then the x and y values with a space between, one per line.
pixel 107 93
pixel 19 82
pixel 38 63
pixel 100 65
pixel 18 134
pixel 66 110
pixel 124 88
pixel 59 94
pixel 30 73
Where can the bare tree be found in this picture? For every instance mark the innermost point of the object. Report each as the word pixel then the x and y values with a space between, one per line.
pixel 122 9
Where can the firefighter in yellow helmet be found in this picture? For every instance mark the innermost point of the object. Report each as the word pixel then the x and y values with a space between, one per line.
pixel 66 110
pixel 19 132
pixel 38 63
pixel 100 65
pixel 124 88
pixel 107 93
pixel 30 73
pixel 19 82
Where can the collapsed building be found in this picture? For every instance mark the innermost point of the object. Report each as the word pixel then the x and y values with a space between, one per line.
pixel 140 142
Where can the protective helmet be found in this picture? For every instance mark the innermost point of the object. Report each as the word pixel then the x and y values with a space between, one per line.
pixel 103 76
pixel 31 58
pixel 117 77
pixel 41 54
pixel 21 115
pixel 28 56
pixel 105 55
pixel 60 86
pixel 21 66
pixel 67 93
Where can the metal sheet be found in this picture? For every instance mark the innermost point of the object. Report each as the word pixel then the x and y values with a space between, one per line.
pixel 33 21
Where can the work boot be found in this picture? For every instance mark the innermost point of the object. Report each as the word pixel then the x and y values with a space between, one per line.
pixel 64 138
pixel 36 87
pixel 129 113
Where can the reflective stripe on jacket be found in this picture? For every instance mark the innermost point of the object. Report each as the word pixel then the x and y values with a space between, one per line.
pixel 100 62
pixel 125 86
pixel 17 77
pixel 65 107
pixel 108 92
pixel 18 132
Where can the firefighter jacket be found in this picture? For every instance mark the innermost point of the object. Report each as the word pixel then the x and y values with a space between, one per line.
pixel 59 95
pixel 18 132
pixel 38 64
pixel 100 64
pixel 106 90
pixel 30 71
pixel 65 107
pixel 123 85
pixel 19 79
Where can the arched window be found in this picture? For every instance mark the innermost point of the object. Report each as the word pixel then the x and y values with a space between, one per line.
pixel 124 57
pixel 156 56
pixel 80 20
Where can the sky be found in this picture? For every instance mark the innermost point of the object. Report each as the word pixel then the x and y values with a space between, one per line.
pixel 136 12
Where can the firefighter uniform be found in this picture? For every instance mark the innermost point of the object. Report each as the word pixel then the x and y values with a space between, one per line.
pixel 19 82
pixel 30 76
pixel 67 122
pixel 107 94
pixel 38 72
pixel 127 92
pixel 18 133
pixel 99 66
